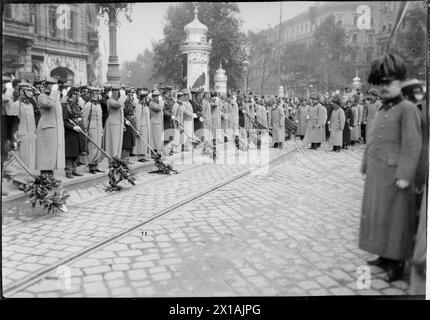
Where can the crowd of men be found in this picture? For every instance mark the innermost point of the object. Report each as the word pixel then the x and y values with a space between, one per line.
pixel 51 125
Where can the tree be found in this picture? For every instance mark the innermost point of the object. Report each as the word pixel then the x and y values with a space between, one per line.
pixel 138 73
pixel 262 56
pixel 328 56
pixel 410 41
pixel 223 29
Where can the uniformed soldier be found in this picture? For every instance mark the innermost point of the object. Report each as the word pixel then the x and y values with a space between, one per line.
pixel 75 141
pixel 197 104
pixel 50 148
pixel 301 119
pixel 349 119
pixel 370 113
pixel 278 124
pixel 156 116
pixel 93 123
pixel 167 103
pixel 388 216
pixel 337 123
pixel 206 117
pixel 114 126
pixel 143 126
pixel 129 136
pixel 315 130
pixel 188 121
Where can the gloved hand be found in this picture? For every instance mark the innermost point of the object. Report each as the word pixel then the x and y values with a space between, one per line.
pixel 77 128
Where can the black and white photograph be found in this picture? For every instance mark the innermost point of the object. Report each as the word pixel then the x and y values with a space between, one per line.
pixel 214 150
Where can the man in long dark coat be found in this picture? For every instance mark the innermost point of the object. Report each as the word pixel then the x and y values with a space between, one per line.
pixel 129 136
pixel 168 104
pixel 349 120
pixel 74 140
pixel 388 217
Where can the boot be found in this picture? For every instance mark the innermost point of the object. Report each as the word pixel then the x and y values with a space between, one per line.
pixel 280 145
pixel 395 271
pixel 74 170
pixel 69 175
pixel 275 145
pixel 379 262
pixel 337 149
pixel 312 146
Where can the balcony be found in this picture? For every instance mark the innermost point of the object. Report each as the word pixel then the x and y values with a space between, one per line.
pixel 18 29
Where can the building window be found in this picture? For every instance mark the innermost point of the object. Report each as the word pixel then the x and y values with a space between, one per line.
pixel 372 22
pixel 301 29
pixel 7 11
pixel 383 28
pixel 368 56
pixel 71 31
pixel 385 7
pixel 370 39
pixel 355 20
pixel 354 38
pixel 52 21
pixel 389 27
pixel 307 27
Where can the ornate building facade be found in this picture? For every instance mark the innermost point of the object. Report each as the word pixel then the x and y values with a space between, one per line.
pixel 41 40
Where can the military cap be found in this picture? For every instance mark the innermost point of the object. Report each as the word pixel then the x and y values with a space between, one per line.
pixel 129 91
pixel 107 88
pixel 166 88
pixel 23 84
pixel 373 91
pixel 186 91
pixel 72 91
pixel 155 93
pixel 51 80
pixel 115 88
pixel 314 95
pixel 6 78
pixel 143 92
pixel 179 94
pixel 411 83
pixel 337 99
pixel 94 89
pixel 194 91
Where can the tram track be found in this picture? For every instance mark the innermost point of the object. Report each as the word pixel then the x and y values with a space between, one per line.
pixel 350 181
pixel 48 216
pixel 45 272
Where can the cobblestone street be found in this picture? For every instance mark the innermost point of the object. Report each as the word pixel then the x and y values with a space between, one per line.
pixel 212 230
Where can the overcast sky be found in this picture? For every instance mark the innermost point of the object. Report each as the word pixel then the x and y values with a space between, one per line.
pixel 148 22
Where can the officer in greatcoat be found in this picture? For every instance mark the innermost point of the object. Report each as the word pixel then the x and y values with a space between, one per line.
pixel 50 148
pixel 93 121
pixel 129 135
pixel 156 116
pixel 26 133
pixel 143 126
pixel 278 124
pixel 388 218
pixel 337 123
pixel 301 117
pixel 349 120
pixel 114 125
pixel 73 125
pixel 315 130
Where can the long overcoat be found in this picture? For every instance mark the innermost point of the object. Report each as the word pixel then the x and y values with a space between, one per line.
pixel 261 115
pixel 207 116
pixel 156 116
pixel 114 128
pixel 234 114
pixel 315 130
pixel 93 121
pixel 300 119
pixel 75 141
pixel 355 127
pixel 216 122
pixel 337 123
pixel 143 126
pixel 369 116
pixel 388 217
pixel 27 134
pixel 349 119
pixel 50 153
pixel 278 124
pixel 129 136
pixel 225 115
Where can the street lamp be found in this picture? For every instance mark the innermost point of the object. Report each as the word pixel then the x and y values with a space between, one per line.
pixel 112 10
